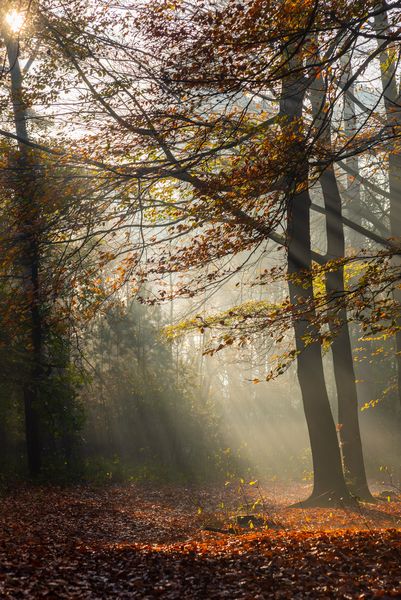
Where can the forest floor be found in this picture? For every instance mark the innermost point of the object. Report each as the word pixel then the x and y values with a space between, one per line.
pixel 142 541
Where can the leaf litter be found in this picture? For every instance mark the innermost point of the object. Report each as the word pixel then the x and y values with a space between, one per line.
pixel 139 541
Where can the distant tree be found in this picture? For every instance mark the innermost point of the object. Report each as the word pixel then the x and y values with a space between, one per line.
pixel 142 405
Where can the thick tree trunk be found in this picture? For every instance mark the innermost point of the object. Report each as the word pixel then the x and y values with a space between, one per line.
pixel 347 397
pixel 343 364
pixel 28 224
pixel 329 483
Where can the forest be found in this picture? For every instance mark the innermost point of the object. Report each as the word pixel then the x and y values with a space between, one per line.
pixel 200 299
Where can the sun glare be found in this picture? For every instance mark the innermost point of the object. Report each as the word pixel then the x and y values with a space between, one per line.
pixel 15 20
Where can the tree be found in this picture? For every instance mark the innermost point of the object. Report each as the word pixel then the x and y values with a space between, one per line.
pixel 348 418
pixel 28 224
pixel 329 480
pixel 210 154
pixel 391 96
pixel 242 187
pixel 51 252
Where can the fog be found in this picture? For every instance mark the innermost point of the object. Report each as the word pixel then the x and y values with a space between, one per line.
pixel 158 407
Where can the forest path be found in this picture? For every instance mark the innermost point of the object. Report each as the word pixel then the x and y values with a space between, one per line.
pixel 134 541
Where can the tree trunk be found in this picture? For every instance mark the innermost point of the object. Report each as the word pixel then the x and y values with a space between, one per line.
pixel 329 483
pixel 343 364
pixel 395 228
pixel 347 397
pixel 391 96
pixel 353 186
pixel 28 221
